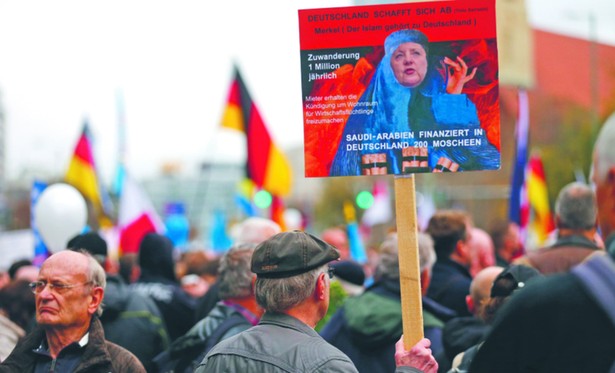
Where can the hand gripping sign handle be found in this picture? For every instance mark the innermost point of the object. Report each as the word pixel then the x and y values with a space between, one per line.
pixel 409 272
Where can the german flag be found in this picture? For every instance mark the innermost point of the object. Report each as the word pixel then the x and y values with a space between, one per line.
pixel 541 221
pixel 83 176
pixel 266 165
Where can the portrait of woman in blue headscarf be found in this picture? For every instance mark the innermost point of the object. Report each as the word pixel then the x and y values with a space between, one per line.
pixel 411 95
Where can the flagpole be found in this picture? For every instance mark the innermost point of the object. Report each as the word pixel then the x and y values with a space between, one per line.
pixel 409 269
pixel 121 145
pixel 518 174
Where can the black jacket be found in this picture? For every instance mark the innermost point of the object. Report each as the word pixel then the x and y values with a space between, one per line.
pixel 133 321
pixel 158 282
pixel 458 335
pixel 449 285
pixel 177 306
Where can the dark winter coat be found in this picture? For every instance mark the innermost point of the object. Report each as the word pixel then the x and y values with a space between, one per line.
pixel 99 355
pixel 449 285
pixel 133 321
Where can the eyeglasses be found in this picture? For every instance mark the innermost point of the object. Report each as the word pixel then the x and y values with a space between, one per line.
pixel 59 288
pixel 331 271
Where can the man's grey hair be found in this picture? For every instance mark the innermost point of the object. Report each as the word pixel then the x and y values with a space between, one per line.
pixel 388 263
pixel 235 276
pixel 281 294
pixel 96 275
pixel 604 151
pixel 576 207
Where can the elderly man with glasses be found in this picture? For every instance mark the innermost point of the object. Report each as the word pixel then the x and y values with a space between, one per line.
pixel 69 337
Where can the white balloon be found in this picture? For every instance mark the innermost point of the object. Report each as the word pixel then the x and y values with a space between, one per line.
pixel 60 214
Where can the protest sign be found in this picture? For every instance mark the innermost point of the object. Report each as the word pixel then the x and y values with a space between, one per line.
pixel 400 88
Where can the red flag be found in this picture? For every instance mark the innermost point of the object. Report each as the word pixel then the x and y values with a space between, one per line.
pixel 83 176
pixel 266 165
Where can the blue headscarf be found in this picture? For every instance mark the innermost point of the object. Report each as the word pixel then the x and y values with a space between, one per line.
pixel 390 100
pixel 391 103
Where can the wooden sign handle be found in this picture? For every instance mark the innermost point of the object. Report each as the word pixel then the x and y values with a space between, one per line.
pixel 409 268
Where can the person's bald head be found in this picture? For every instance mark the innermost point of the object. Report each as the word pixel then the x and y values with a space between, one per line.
pixel 68 263
pixel 480 288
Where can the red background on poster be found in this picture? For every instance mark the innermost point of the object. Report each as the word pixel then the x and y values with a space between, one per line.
pixel 468 25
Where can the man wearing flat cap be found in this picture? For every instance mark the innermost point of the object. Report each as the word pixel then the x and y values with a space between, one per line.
pixel 292 286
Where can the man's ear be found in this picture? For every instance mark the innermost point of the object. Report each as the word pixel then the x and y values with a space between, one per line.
pixel 425 280
pixel 96 295
pixel 320 290
pixel 470 304
pixel 462 248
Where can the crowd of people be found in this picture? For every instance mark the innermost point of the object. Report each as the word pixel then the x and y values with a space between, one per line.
pixel 281 301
